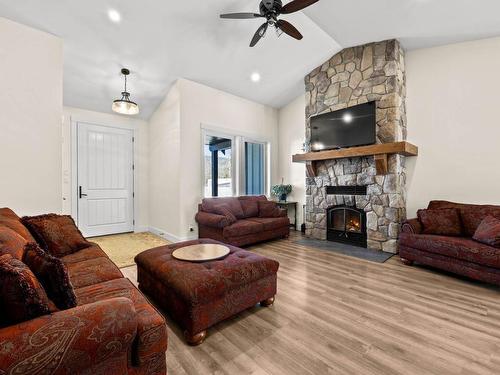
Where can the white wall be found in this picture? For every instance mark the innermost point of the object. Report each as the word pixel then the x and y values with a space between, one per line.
pixel 176 190
pixel 165 160
pixel 453 116
pixel 141 158
pixel 31 68
pixel 291 135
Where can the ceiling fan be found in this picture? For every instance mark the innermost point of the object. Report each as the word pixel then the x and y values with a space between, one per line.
pixel 271 10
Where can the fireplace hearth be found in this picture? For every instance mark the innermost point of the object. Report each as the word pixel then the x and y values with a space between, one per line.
pixel 346 224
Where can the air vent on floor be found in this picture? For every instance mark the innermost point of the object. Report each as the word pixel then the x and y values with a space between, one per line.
pixel 346 190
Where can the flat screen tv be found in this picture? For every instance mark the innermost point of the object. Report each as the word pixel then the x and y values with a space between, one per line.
pixel 353 126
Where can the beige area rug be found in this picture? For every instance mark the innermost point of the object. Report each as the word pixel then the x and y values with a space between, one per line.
pixel 122 248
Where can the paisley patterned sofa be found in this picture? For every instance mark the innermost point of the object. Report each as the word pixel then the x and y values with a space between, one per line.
pixel 113 330
pixel 460 254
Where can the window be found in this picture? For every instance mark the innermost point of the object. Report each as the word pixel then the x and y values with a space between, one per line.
pixel 218 167
pixel 234 165
pixel 255 168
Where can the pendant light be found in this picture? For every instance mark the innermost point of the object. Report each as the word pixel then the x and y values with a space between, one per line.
pixel 124 105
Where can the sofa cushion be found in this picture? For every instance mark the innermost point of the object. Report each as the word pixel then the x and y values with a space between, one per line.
pixel 151 327
pixel 242 228
pixel 234 205
pixel 471 214
pixel 445 222
pixel 250 205
pixel 92 271
pixel 22 297
pixel 57 234
pixel 488 232
pixel 91 252
pixel 8 218
pixel 271 223
pixel 268 209
pixel 455 247
pixel 224 210
pixel 52 274
pixel 11 243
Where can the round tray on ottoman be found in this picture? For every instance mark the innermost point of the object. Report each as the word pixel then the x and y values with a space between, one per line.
pixel 199 295
pixel 201 253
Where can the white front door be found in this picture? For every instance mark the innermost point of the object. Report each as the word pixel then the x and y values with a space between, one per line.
pixel 105 180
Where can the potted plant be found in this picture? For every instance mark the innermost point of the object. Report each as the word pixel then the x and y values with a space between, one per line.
pixel 281 191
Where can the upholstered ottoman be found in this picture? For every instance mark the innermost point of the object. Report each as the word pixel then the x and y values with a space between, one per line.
pixel 199 295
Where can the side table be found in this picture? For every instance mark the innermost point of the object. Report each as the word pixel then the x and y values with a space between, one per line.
pixel 287 206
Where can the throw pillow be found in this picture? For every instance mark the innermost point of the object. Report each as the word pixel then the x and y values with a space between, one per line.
pixel 268 209
pixel 444 222
pixel 473 217
pixel 53 275
pixel 488 232
pixel 21 296
pixel 57 234
pixel 11 243
pixel 224 210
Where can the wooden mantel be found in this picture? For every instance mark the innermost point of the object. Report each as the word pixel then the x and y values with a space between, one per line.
pixel 379 151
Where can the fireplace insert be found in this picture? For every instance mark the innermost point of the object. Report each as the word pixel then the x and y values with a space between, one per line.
pixel 346 224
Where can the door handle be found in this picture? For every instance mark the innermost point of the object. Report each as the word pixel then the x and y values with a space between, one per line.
pixel 80 193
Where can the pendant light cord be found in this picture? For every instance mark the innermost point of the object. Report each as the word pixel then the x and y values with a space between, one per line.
pixel 125 82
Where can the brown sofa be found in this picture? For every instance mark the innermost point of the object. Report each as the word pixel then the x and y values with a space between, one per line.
pixel 249 227
pixel 113 330
pixel 460 255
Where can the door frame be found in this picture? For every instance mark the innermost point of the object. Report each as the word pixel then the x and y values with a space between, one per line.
pixel 74 124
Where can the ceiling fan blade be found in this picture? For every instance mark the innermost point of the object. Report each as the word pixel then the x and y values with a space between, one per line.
pixel 289 29
pixel 241 16
pixel 296 5
pixel 261 31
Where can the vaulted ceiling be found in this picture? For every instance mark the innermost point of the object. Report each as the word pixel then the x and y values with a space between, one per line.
pixel 161 41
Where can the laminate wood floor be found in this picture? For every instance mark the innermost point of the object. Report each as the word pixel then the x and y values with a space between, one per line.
pixel 340 315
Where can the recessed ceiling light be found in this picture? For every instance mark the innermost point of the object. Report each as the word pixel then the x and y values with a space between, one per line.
pixel 255 77
pixel 114 15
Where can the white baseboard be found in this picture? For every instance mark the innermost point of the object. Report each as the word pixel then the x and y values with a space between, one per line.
pixel 169 236
pixel 141 229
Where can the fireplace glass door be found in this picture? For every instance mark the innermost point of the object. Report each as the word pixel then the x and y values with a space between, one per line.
pixel 347 225
pixel 346 220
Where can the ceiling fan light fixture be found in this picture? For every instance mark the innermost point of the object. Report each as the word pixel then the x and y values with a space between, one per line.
pixel 272 10
pixel 125 106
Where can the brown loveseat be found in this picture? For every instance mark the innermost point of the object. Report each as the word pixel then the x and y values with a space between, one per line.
pixel 457 254
pixel 113 329
pixel 251 224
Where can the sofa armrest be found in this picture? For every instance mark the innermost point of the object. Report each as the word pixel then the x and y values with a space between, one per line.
pixel 212 220
pixel 412 226
pixel 55 343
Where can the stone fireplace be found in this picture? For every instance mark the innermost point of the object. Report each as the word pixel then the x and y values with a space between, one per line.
pixel 372 72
